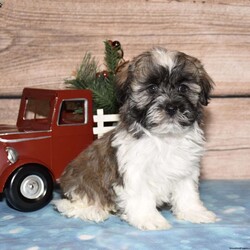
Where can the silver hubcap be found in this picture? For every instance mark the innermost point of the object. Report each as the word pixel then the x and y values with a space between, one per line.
pixel 32 187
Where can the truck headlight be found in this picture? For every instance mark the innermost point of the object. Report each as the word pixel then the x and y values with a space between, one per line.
pixel 12 155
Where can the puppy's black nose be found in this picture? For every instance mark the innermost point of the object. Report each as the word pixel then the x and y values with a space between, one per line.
pixel 171 110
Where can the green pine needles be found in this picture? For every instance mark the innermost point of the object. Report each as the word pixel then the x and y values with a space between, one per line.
pixel 102 84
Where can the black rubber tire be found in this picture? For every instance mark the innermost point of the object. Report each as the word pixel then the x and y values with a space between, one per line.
pixel 29 188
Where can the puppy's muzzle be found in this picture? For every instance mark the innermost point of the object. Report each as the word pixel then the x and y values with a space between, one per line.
pixel 171 109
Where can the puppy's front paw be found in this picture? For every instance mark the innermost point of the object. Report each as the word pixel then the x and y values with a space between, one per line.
pixel 203 216
pixel 150 222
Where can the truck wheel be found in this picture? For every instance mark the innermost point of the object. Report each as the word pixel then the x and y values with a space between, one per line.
pixel 29 188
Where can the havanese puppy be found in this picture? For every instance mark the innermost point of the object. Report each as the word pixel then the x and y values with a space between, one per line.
pixel 153 156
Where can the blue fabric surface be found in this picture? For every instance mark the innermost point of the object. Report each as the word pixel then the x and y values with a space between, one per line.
pixel 47 229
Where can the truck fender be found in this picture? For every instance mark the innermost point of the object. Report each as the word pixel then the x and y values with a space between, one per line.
pixel 9 170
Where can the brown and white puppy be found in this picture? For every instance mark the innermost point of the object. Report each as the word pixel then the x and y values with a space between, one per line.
pixel 153 155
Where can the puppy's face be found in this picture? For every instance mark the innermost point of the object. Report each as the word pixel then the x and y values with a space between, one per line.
pixel 162 91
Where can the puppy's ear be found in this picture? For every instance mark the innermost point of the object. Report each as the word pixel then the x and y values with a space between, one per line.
pixel 206 87
pixel 122 82
pixel 205 81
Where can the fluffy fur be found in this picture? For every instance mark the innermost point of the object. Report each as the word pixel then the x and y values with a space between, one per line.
pixel 153 156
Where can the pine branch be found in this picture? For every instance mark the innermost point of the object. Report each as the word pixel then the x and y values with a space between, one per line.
pixel 112 57
pixel 86 74
pixel 104 95
pixel 102 84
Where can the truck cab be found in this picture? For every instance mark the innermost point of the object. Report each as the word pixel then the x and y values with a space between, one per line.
pixel 52 128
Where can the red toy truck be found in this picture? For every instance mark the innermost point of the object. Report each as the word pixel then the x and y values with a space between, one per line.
pixel 52 128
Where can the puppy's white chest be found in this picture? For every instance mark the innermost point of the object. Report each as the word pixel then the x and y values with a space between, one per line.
pixel 159 159
pixel 166 158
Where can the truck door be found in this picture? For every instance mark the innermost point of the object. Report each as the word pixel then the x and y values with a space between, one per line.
pixel 72 133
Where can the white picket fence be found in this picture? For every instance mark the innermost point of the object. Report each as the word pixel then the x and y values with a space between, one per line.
pixel 100 119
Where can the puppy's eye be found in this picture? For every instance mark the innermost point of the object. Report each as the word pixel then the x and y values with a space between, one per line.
pixel 183 88
pixel 152 89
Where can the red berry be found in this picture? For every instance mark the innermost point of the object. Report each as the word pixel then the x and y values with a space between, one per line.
pixel 116 44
